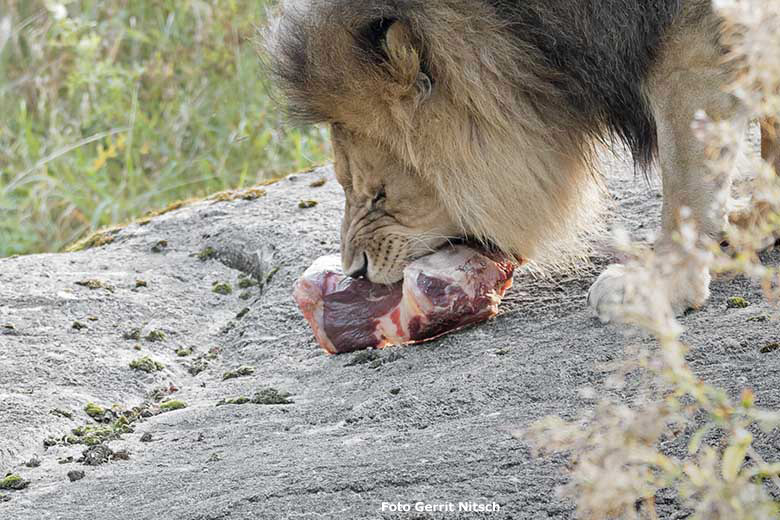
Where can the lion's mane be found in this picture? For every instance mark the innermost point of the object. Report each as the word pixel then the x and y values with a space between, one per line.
pixel 523 92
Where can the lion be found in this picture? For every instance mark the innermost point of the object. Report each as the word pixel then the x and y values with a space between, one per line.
pixel 480 120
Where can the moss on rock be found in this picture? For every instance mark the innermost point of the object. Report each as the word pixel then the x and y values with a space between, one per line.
pixel 146 364
pixel 155 336
pixel 173 404
pixel 770 347
pixel 241 371
pixel 95 411
pixel 59 412
pixel 100 238
pixel 234 401
pixel 245 282
pixel 207 253
pixel 94 284
pixel 14 482
pixel 272 396
pixel 253 193
pixel 197 366
pixel 184 351
pixel 133 334
pixel 231 195
pixel 222 288
pixel 92 435
pixel 737 302
pixel 160 246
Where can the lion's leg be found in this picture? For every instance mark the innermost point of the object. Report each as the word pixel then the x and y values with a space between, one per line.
pixel 750 212
pixel 770 142
pixel 687 81
pixel 691 190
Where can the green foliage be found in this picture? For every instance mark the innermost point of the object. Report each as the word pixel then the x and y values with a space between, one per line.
pixel 155 336
pixel 621 452
pixel 241 371
pixel 272 396
pixel 234 401
pixel 184 352
pixel 110 109
pixel 13 482
pixel 146 364
pixel 737 302
pixel 222 288
pixel 95 411
pixel 174 404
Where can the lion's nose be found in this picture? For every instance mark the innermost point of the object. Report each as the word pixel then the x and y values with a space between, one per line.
pixel 359 267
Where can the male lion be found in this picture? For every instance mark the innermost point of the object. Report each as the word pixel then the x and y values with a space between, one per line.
pixel 478 118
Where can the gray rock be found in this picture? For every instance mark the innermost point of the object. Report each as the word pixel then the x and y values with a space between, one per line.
pixel 75 475
pixel 96 455
pixel 351 440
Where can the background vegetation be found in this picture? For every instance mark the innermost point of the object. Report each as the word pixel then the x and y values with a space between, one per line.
pixel 110 109
pixel 620 452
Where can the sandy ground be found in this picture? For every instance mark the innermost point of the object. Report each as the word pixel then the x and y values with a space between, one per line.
pixel 427 423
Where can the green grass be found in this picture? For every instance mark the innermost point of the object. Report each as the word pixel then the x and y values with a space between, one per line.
pixel 110 109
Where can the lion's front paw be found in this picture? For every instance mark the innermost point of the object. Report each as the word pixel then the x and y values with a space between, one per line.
pixel 607 294
pixel 610 295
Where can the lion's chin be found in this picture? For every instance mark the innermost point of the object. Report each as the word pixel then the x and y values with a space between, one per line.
pixel 489 249
pixel 395 274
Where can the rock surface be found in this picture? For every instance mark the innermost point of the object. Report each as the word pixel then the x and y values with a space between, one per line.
pixel 427 422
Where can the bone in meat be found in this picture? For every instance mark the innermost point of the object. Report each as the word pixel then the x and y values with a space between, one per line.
pixel 440 293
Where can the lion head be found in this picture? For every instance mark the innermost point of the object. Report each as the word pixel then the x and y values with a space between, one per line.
pixel 442 128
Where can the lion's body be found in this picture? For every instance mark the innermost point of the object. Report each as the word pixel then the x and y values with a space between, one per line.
pixel 600 52
pixel 478 118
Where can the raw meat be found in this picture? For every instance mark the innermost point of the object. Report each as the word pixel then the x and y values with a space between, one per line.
pixel 440 293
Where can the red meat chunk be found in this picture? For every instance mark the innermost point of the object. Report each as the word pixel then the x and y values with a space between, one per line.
pixel 440 293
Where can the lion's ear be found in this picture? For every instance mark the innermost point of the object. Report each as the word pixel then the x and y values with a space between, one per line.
pixel 403 55
pixel 398 38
